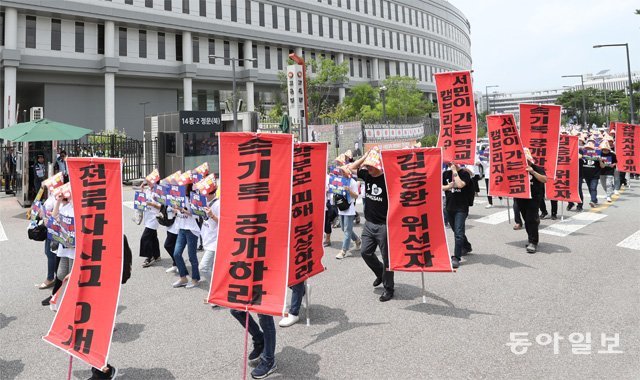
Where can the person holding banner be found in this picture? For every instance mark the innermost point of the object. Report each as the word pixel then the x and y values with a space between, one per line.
pixel 608 161
pixel 347 214
pixel 188 234
pixel 591 170
pixel 458 187
pixel 530 208
pixel 264 342
pixel 374 232
pixel 149 244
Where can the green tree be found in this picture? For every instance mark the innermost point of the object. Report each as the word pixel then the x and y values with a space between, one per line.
pixel 360 96
pixel 404 99
pixel 429 141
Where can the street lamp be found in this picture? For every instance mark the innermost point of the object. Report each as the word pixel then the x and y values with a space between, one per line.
pixel 233 95
pixel 584 105
pixel 383 91
pixel 486 92
pixel 631 110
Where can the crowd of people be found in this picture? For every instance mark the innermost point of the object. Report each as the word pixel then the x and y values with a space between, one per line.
pixel 460 186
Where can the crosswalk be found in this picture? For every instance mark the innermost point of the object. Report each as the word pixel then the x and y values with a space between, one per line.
pixel 495 218
pixel 632 242
pixel 3 235
pixel 573 224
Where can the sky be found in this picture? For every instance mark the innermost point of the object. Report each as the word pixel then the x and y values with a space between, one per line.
pixel 528 45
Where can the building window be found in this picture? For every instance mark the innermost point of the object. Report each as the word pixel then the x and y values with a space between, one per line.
pixel 360 67
pixel 212 51
pixel 219 9
pixel 185 6
pixel 227 53
pixel 179 47
pixel 389 10
pixel 366 7
pixel 196 49
pixel 384 38
pixel 202 9
pixel 267 57
pixel 122 42
pixel 30 41
pixel 410 16
pixel 167 5
pixel 397 15
pixel 369 64
pixel 261 13
pixel 100 38
pixel 274 16
pixel 348 4
pixel 357 5
pixel 404 37
pixel 404 17
pixel 397 68
pixel 129 2
pixel 358 31
pixel 350 66
pixel 279 58
pixel 247 12
pixel 148 3
pixel 387 69
pixel 287 21
pixel 390 40
pixel 406 69
pixel 313 58
pixel 142 43
pixel 234 10
pixel 1 28
pixel 375 36
pixel 310 23
pixel 320 26
pixel 254 53
pixel 398 40
pixel 350 32
pixel 299 21
pixel 373 7
pixel 340 33
pixel 55 34
pixel 161 46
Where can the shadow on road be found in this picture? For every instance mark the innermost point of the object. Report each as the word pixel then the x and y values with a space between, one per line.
pixel 298 364
pixel 134 373
pixel 492 259
pixel 10 370
pixel 4 320
pixel 543 247
pixel 323 315
pixel 126 332
pixel 444 307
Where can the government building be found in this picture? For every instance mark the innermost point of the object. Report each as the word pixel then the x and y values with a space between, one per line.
pixel 105 64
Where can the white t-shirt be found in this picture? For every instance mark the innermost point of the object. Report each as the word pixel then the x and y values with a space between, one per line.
pixel 49 204
pixel 174 227
pixel 150 213
pixel 66 210
pixel 353 185
pixel 187 222
pixel 210 228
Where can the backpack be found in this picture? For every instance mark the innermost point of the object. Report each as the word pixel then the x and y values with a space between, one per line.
pixel 127 259
pixel 163 217
pixel 341 202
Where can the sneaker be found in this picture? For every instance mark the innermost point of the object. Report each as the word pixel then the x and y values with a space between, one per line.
pixel 46 301
pixel 609 199
pixel 99 375
pixel 488 206
pixel 358 243
pixel 173 269
pixel 289 320
pixel 192 284
pixel 593 204
pixel 466 251
pixel 616 192
pixel 532 248
pixel 341 255
pixel 148 262
pixel 256 352
pixel 578 209
pixel 326 244
pixel 386 296
pixel 544 215
pixel 569 206
pixel 264 369
pixel 180 284
pixel 517 226
pixel 554 217
pixel 455 262
pixel 377 282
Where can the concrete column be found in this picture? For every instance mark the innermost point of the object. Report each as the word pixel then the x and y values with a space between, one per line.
pixel 187 48
pixel 298 51
pixel 341 89
pixel 250 97
pixel 188 94
pixel 109 101
pixel 248 54
pixel 9 105
pixel 109 39
pixel 11 28
pixel 376 69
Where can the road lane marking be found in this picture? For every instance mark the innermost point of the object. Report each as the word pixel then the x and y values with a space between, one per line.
pixel 495 218
pixel 3 235
pixel 631 242
pixel 573 224
pixel 128 204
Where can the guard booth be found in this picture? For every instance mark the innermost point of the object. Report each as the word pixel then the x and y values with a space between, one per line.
pixel 186 139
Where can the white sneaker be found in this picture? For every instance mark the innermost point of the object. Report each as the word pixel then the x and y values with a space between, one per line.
pixel 180 284
pixel 608 199
pixel 172 270
pixel 289 320
pixel 192 284
pixel 488 206
pixel 616 192
pixel 341 255
pixel 358 243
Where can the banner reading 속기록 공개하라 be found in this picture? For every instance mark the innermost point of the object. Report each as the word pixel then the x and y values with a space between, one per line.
pixel 507 162
pixel 415 224
pixel 252 258
pixel 565 186
pixel 83 325
pixel 540 132
pixel 458 123
pixel 628 147
pixel 307 221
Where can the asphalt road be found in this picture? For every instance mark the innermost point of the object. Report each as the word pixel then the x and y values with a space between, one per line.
pixel 579 283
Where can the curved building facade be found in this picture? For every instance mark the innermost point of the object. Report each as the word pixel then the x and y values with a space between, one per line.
pixel 104 64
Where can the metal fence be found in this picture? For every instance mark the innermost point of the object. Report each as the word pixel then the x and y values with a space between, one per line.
pixel 135 164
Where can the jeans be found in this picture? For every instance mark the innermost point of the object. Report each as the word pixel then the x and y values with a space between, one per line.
pixel 375 235
pixel 51 260
pixel 606 181
pixel 170 245
pixel 206 264
pixel 530 209
pixel 297 294
pixel 346 223
pixel 620 178
pixel 458 219
pixel 592 183
pixel 266 336
pixel 188 239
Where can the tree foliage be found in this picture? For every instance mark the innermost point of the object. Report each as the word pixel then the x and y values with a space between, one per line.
pixel 594 99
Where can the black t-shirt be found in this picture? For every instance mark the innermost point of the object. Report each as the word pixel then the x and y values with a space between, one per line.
pixel 376 202
pixel 590 166
pixel 457 199
pixel 537 187
pixel 606 157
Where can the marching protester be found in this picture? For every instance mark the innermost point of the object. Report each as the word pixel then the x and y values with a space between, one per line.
pixel 61 165
pixel 347 212
pixel 330 213
pixel 374 232
pixel 172 236
pixel 457 184
pixel 39 172
pixel 9 170
pixel 264 342
pixel 149 244
pixel 297 294
pixel 188 234
pixel 530 207
pixel 608 161
pixel 52 258
pixel 63 207
pixel 209 233
pixel 591 171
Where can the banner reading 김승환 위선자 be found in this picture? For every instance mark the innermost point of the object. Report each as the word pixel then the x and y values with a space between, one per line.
pixel 564 186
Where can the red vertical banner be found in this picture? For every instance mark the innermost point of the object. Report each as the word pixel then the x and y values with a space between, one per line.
pixel 508 165
pixel 540 132
pixel 307 211
pixel 415 224
pixel 252 260
pixel 83 325
pixel 458 123
pixel 565 184
pixel 628 147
